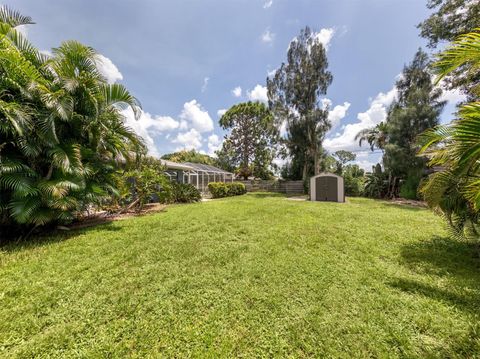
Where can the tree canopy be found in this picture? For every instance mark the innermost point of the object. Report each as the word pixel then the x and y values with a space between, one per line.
pixel 293 97
pixel 416 109
pixel 190 156
pixel 251 144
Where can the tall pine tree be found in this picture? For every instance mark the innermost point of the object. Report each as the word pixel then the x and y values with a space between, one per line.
pixel 293 96
pixel 416 109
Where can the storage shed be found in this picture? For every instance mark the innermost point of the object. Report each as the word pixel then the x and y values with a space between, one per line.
pixel 327 187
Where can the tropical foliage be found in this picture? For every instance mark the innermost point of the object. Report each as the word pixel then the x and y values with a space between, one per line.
pixel 454 189
pixel 184 193
pixel 376 183
pixel 450 19
pixel 376 136
pixel 62 136
pixel 144 184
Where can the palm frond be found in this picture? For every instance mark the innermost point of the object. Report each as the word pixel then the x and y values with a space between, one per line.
pixel 13 17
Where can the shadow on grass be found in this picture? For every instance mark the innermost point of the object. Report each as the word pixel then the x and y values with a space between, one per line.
pixel 456 263
pixel 459 296
pixel 407 207
pixel 53 236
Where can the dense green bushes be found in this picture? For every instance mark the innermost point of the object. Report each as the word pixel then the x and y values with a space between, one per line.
pixel 184 193
pixel 147 183
pixel 220 189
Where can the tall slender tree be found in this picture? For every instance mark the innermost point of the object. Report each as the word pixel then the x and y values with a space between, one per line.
pixel 293 96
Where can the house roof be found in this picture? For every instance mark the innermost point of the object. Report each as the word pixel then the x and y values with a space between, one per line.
pixel 176 166
pixel 190 166
pixel 205 168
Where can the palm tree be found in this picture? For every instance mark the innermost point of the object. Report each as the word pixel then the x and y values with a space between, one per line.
pixel 62 134
pixel 454 190
pixel 375 136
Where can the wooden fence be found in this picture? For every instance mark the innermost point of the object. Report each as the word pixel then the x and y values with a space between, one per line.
pixel 279 186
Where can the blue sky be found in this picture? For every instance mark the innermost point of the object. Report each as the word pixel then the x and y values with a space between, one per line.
pixel 184 59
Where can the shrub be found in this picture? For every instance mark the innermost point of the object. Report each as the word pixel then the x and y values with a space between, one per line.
pixel 376 185
pixel 185 193
pixel 147 184
pixel 409 188
pixel 236 189
pixel 220 189
pixel 354 186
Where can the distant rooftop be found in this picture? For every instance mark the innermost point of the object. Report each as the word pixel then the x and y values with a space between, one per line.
pixel 190 166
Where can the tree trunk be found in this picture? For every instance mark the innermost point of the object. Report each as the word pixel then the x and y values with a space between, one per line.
pixel 305 172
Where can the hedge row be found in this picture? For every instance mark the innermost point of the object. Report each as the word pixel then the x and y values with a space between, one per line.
pixel 220 189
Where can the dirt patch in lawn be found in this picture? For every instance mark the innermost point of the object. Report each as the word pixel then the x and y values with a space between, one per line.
pixel 105 217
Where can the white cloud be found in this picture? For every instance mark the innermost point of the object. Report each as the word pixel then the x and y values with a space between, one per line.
pixel 221 112
pixel 259 93
pixel 147 126
pixel 108 69
pixel 452 96
pixel 214 144
pixel 195 116
pixel 268 36
pixel 326 102
pixel 22 29
pixel 188 140
pixel 324 36
pixel 366 159
pixel 373 116
pixel 46 52
pixel 338 113
pixel 237 91
pixel 267 4
pixel 271 73
pixel 205 84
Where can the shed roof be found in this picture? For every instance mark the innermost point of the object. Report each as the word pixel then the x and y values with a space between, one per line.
pixel 326 174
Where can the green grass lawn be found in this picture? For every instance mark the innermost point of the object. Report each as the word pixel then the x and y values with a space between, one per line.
pixel 257 275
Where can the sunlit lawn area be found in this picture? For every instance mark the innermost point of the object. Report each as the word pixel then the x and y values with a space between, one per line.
pixel 256 275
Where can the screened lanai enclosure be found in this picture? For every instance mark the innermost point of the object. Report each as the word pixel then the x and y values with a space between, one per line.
pixel 197 174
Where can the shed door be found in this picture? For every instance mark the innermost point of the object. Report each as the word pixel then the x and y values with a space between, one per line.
pixel 326 188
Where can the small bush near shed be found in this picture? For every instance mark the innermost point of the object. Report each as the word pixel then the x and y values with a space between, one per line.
pixel 220 189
